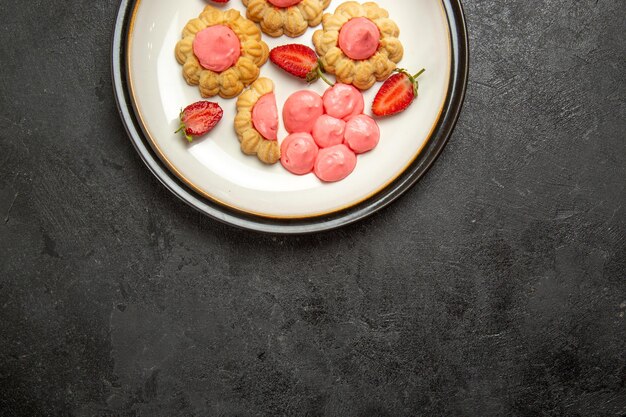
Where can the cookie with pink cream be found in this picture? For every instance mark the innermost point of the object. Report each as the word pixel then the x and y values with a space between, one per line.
pixel 286 17
pixel 221 52
pixel 359 44
pixel 256 122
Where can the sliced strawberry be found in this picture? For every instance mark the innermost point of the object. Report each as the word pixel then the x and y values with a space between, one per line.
pixel 220 1
pixel 396 94
pixel 199 118
pixel 298 60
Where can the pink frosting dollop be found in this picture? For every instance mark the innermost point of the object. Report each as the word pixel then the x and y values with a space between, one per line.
pixel 334 163
pixel 301 110
pixel 359 38
pixel 328 131
pixel 217 48
pixel 298 153
pixel 284 3
pixel 362 133
pixel 265 116
pixel 343 101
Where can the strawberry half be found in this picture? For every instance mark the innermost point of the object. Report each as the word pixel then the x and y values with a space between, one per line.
pixel 396 94
pixel 298 60
pixel 199 118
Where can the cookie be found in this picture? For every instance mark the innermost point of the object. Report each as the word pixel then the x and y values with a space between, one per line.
pixel 221 52
pixel 286 17
pixel 249 131
pixel 359 44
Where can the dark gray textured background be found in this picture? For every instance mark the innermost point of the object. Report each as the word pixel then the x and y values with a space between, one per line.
pixel 496 287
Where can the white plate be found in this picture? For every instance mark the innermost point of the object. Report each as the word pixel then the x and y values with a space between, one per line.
pixel 216 168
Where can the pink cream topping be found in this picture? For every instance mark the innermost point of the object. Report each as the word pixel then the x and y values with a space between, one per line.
pixel 335 163
pixel 328 131
pixel 284 3
pixel 359 38
pixel 301 110
pixel 265 116
pixel 362 134
pixel 343 101
pixel 298 153
pixel 217 48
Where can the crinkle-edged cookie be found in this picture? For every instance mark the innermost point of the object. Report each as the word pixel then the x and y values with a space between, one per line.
pixel 359 44
pixel 256 122
pixel 288 17
pixel 221 52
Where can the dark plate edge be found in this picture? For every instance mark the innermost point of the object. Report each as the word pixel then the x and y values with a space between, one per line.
pixel 430 153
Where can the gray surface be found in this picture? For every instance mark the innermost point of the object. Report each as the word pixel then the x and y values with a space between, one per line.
pixel 495 287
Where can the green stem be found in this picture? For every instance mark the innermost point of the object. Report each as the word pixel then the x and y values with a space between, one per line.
pixel 323 77
pixel 182 129
pixel 423 70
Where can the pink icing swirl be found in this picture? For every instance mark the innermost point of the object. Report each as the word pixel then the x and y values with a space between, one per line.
pixel 335 163
pixel 284 3
pixel 362 133
pixel 265 116
pixel 328 131
pixel 343 101
pixel 217 48
pixel 298 153
pixel 359 38
pixel 301 110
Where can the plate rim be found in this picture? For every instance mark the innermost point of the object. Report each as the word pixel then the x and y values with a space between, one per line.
pixel 433 147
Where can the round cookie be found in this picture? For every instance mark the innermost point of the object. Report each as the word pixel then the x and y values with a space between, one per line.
pixel 350 32
pixel 286 17
pixel 234 69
